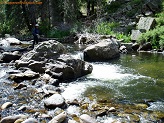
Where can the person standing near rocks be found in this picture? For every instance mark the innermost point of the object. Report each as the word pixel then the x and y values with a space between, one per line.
pixel 35 33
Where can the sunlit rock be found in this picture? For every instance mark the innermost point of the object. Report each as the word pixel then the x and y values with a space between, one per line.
pixel 27 75
pixel 12 119
pixel 54 101
pixel 30 120
pixel 6 105
pixel 48 57
pixel 105 50
pixel 84 118
pixel 146 23
pixel 59 118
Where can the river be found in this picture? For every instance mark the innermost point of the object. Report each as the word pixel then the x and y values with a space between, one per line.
pixel 133 78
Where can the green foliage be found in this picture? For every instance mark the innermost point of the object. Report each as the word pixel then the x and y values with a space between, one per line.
pixel 160 19
pixel 125 37
pixel 113 7
pixel 44 27
pixel 136 2
pixel 106 27
pixel 5 27
pixel 161 41
pixel 56 33
pixel 154 36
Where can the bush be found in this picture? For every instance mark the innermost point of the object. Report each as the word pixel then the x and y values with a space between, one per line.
pixel 154 36
pixel 5 28
pixel 106 28
pixel 56 33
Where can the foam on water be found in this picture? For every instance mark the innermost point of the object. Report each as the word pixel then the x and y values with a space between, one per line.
pixel 101 75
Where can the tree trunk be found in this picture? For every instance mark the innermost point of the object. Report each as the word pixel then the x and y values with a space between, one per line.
pixel 27 20
pixel 88 7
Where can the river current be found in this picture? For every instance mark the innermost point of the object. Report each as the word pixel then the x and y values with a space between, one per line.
pixel 132 78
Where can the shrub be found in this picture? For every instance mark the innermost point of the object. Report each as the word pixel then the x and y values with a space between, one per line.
pixel 5 28
pixel 56 33
pixel 105 28
pixel 154 36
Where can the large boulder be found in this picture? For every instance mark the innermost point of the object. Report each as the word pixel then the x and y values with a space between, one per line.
pixel 146 23
pixel 66 67
pixel 46 50
pixel 105 50
pixel 48 57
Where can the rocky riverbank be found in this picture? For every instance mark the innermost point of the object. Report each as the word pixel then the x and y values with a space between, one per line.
pixel 43 73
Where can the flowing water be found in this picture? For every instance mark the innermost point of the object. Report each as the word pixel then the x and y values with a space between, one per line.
pixel 132 78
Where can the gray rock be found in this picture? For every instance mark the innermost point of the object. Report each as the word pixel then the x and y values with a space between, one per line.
pixel 8 57
pixel 54 101
pixel 48 58
pixel 45 50
pixel 27 75
pixel 30 120
pixel 12 119
pixel 105 50
pixel 123 49
pixel 80 67
pixel 59 118
pixel 6 105
pixel 37 66
pixel 136 34
pixel 84 118
pixel 146 23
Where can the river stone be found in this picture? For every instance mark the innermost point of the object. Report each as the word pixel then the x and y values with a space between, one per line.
pixel 12 119
pixel 13 41
pixel 6 105
pixel 8 57
pixel 105 50
pixel 27 75
pixel 30 120
pixel 56 100
pixel 59 118
pixel 84 118
pixel 37 66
